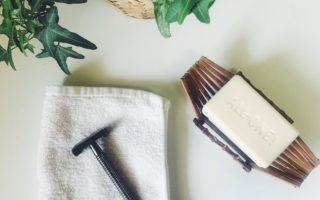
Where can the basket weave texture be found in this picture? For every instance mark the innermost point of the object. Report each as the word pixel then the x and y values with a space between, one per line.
pixel 142 9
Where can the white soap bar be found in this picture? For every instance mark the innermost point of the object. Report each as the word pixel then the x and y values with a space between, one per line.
pixel 248 120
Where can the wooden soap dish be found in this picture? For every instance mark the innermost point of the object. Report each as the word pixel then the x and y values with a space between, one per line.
pixel 201 82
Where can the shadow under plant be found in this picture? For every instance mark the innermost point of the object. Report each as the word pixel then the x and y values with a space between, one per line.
pixel 91 74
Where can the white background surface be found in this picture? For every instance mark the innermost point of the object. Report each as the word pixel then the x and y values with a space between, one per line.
pixel 275 43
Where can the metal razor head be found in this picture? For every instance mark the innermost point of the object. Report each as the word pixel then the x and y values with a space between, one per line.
pixel 80 146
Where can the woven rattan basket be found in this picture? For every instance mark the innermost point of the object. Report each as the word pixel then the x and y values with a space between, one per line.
pixel 142 9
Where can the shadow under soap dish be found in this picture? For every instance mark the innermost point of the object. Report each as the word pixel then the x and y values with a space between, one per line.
pixel 249 126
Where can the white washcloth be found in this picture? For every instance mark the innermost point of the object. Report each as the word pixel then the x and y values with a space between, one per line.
pixel 137 144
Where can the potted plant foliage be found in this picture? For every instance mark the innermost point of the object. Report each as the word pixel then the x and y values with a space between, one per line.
pixel 165 11
pixel 25 20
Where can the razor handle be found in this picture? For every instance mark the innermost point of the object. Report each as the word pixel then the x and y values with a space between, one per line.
pixel 112 173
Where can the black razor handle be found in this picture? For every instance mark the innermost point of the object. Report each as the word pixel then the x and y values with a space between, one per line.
pixel 112 173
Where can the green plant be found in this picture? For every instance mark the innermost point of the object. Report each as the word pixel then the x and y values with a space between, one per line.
pixel 24 20
pixel 170 11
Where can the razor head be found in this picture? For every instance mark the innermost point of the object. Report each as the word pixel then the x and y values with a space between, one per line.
pixel 86 142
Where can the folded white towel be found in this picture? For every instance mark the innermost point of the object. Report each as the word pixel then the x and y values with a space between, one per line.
pixel 137 144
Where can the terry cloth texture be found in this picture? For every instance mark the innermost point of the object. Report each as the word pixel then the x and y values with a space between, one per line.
pixel 136 145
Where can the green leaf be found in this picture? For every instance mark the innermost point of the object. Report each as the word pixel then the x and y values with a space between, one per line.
pixel 35 4
pixel 16 12
pixel 9 57
pixel 51 16
pixel 33 24
pixel 3 55
pixel 201 10
pixel 173 11
pixel 52 34
pixel 30 47
pixel 170 11
pixel 187 5
pixel 161 8
pixel 55 33
pixel 23 20
pixel 63 35
pixel 43 54
pixel 4 27
pixel 8 28
pixel 7 8
pixel 62 54
pixel 22 40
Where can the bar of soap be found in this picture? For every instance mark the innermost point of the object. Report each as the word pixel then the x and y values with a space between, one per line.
pixel 249 121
